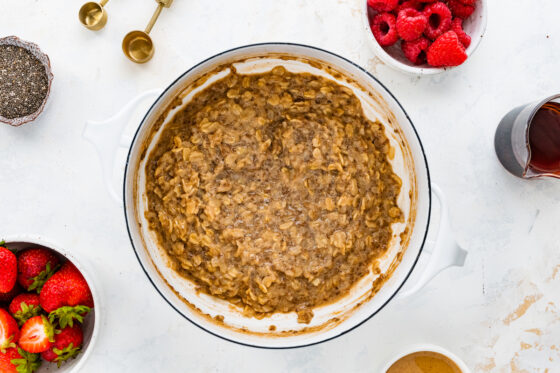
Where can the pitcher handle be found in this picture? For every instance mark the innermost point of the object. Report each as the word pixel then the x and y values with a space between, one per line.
pixel 108 137
pixel 446 253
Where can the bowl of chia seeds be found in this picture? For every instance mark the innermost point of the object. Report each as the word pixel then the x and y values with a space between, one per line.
pixel 25 81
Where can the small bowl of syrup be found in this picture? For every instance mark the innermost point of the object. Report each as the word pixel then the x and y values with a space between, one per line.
pixel 426 359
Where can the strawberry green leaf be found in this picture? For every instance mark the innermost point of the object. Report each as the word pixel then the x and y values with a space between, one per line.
pixel 28 363
pixel 66 315
pixel 49 328
pixel 3 244
pixel 26 312
pixel 66 353
pixel 41 278
pixel 7 344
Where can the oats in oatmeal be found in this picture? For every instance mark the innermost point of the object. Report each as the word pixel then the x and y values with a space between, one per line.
pixel 273 191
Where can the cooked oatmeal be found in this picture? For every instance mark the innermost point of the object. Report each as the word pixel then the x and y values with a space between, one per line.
pixel 273 191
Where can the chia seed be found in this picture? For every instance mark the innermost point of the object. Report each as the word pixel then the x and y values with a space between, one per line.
pixel 23 82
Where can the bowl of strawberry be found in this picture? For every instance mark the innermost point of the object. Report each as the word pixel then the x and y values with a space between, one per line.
pixel 424 37
pixel 47 309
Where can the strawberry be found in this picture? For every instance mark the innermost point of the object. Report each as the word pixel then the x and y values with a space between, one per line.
pixel 447 50
pixel 35 266
pixel 15 360
pixel 67 287
pixel 37 335
pixel 8 270
pixel 7 297
pixel 24 307
pixel 9 331
pixel 67 344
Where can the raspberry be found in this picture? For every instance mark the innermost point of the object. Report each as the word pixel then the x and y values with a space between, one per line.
pixel 384 29
pixel 457 26
pixel 439 19
pixel 468 2
pixel 411 4
pixel 411 24
pixel 447 50
pixel 459 9
pixel 415 50
pixel 383 5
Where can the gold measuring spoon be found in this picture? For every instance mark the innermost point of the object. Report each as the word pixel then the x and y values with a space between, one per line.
pixel 137 45
pixel 93 15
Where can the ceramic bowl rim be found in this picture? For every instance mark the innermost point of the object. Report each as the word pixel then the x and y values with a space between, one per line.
pixel 426 347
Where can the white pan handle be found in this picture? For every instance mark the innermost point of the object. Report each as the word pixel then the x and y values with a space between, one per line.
pixel 446 253
pixel 107 138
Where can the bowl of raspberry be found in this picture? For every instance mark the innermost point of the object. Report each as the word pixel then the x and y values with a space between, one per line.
pixel 49 309
pixel 424 37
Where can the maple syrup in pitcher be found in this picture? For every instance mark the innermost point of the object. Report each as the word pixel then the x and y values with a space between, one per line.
pixel 544 139
pixel 527 140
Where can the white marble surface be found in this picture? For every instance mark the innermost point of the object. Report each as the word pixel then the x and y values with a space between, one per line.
pixel 51 184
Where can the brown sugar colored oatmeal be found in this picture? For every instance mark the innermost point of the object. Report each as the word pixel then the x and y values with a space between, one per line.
pixel 273 191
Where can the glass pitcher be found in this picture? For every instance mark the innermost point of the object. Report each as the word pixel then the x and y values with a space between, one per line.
pixel 527 140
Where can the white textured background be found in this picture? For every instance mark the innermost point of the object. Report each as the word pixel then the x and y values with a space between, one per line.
pixel 500 313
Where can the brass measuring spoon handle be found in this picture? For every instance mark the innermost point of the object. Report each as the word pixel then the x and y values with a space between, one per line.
pixel 154 18
pixel 161 5
pixel 103 2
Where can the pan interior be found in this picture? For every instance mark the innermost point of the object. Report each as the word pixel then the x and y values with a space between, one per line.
pixel 220 316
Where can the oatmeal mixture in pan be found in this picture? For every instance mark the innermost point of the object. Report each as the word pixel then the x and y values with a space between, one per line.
pixel 273 191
